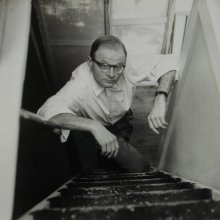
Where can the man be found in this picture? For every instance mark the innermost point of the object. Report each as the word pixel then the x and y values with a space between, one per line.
pixel 94 104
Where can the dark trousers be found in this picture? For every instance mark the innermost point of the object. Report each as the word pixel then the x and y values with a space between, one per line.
pixel 84 151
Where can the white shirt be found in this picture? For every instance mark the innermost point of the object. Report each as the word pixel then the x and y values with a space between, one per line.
pixel 84 97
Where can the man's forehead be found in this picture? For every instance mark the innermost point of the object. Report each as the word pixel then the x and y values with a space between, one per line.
pixel 112 53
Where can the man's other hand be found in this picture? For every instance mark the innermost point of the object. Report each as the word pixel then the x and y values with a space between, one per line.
pixel 156 118
pixel 107 141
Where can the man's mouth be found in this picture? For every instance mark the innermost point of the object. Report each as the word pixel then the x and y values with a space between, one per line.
pixel 110 81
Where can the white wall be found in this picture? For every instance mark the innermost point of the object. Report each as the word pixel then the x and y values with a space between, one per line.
pixel 14 33
pixel 192 145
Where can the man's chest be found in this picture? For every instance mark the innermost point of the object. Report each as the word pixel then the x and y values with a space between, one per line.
pixel 111 100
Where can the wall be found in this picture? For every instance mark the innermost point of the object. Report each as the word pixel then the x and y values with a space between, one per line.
pixel 14 38
pixel 191 148
pixel 68 28
pixel 42 163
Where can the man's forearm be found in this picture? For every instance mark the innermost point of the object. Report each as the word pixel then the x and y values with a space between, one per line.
pixel 166 81
pixel 73 122
pixel 156 118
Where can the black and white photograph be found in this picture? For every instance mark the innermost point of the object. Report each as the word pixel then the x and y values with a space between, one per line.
pixel 110 109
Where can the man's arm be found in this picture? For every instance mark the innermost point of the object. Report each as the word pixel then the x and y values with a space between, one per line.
pixel 107 141
pixel 156 118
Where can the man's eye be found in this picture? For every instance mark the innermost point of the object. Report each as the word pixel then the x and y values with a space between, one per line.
pixel 119 67
pixel 104 66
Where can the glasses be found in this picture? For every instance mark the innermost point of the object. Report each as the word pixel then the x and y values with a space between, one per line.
pixel 105 67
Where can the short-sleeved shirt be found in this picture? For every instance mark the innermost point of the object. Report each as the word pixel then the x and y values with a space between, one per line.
pixel 84 97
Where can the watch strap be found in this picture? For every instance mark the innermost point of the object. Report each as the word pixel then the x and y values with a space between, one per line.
pixel 161 92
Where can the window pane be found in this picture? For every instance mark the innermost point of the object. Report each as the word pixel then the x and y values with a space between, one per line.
pixel 139 8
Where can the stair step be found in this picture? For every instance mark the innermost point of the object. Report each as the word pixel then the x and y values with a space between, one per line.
pixel 131 196
pixel 122 177
pixel 122 182
pixel 124 188
pixel 209 210
pixel 138 198
pixel 117 174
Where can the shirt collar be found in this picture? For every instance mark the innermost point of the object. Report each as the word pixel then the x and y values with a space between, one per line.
pixel 97 89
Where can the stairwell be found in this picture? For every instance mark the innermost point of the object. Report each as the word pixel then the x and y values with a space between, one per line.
pixel 109 195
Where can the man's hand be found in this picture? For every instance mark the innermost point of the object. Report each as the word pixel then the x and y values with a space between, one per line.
pixel 107 141
pixel 156 118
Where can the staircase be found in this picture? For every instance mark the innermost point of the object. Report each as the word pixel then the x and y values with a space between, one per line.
pixel 109 195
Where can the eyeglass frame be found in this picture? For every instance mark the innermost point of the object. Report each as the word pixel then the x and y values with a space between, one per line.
pixel 109 66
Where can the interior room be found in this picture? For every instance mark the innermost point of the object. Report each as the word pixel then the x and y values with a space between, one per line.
pixel 42 42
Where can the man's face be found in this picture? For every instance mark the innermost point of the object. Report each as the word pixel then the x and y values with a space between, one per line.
pixel 106 75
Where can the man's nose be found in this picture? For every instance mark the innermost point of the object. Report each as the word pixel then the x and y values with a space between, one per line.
pixel 111 71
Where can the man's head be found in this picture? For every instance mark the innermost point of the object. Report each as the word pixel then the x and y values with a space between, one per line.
pixel 107 60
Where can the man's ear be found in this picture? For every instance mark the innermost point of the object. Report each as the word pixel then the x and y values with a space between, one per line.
pixel 89 61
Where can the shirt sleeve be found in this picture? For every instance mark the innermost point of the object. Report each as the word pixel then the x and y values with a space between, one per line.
pixel 151 68
pixel 166 63
pixel 66 100
pixel 58 104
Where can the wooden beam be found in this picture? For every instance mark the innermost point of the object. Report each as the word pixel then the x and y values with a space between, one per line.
pixel 168 27
pixel 139 21
pixel 106 17
pixel 85 43
pixel 3 7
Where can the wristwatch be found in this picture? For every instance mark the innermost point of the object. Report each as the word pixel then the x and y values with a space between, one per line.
pixel 161 92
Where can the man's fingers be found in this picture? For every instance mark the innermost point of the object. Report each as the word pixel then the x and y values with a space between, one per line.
pixel 111 146
pixel 104 150
pixel 108 150
pixel 154 122
pixel 160 123
pixel 163 121
pixel 116 148
pixel 153 128
pixel 157 122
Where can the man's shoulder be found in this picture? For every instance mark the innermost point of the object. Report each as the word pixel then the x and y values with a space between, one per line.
pixel 81 71
pixel 79 79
